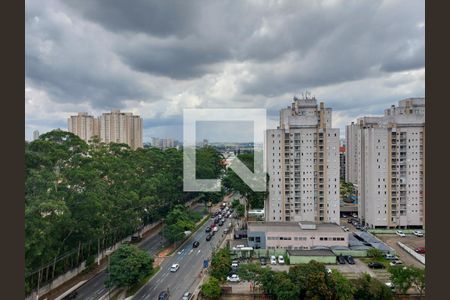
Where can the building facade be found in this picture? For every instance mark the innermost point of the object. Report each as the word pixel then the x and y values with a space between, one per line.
pixel 388 166
pixel 121 127
pixel 295 236
pixel 303 165
pixel 35 135
pixel 113 127
pixel 83 125
pixel 342 162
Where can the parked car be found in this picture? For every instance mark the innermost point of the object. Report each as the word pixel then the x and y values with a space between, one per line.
pixel 234 264
pixel 341 259
pixel 418 233
pixel 174 267
pixel 400 233
pixel 391 257
pixel 349 221
pixel 71 295
pixel 262 261
pixel 208 237
pixel 281 259
pixel 273 260
pixel 135 238
pixel 375 265
pixel 420 250
pixel 164 295
pixel 346 229
pixel 395 262
pixel 350 259
pixel 390 285
pixel 233 278
pixel 221 222
pixel 195 244
pixel 329 271
pixel 226 230
pixel 187 296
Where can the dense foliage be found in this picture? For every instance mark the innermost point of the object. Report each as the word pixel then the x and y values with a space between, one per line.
pixel 405 278
pixel 178 221
pixel 128 265
pixel 81 198
pixel 221 264
pixel 211 288
pixel 312 281
pixel 234 183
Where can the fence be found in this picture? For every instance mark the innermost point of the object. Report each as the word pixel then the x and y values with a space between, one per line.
pixel 68 266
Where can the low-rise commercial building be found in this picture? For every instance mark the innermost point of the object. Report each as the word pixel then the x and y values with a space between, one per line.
pixel 295 236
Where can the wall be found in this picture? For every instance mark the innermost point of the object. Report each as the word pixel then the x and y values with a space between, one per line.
pixel 354 253
pixel 306 259
pixel 74 272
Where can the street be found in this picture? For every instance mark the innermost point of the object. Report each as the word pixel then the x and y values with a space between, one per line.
pixel 191 264
pixel 95 288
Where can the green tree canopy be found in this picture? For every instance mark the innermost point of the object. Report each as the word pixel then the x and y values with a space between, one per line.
pixel 128 266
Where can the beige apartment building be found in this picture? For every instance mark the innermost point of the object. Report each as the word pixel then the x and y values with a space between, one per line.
pixel 121 127
pixel 83 125
pixel 302 157
pixel 111 127
pixel 386 160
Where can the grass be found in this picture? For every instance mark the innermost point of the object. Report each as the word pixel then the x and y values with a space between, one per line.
pixel 133 290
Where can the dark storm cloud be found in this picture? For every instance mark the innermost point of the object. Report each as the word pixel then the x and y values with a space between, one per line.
pixel 122 54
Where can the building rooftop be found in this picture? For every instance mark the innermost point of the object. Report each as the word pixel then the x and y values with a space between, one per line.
pixel 316 252
pixel 293 226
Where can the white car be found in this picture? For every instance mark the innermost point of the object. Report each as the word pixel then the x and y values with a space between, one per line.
pixel 400 233
pixel 273 260
pixel 174 267
pixel 329 271
pixel 418 233
pixel 233 278
pixel 186 296
pixel 395 262
pixel 234 264
pixel 281 260
pixel 215 229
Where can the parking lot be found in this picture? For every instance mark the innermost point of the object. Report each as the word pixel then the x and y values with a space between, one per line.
pixel 410 240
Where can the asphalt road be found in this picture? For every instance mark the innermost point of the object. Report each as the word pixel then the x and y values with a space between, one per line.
pixel 191 263
pixel 95 288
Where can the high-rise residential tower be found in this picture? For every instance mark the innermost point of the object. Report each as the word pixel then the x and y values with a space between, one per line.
pixel 303 165
pixel 386 160
pixel 121 127
pixel 35 135
pixel 83 125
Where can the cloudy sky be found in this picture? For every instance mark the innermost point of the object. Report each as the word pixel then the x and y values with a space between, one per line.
pixel 155 58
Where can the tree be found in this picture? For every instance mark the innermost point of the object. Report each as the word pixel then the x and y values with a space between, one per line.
pixel 369 288
pixel 374 253
pixel 342 287
pixel 128 265
pixel 285 289
pixel 211 288
pixel 312 279
pixel 221 264
pixel 402 278
pixel 250 272
pixel 418 279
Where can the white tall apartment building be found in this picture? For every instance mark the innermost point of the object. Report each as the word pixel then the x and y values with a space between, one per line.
pixel 83 125
pixel 121 127
pixel 303 165
pixel 35 135
pixel 386 160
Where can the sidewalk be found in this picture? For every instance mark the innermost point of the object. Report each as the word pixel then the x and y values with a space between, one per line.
pixel 85 276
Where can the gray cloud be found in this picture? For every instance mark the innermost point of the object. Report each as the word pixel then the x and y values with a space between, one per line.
pixel 160 56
